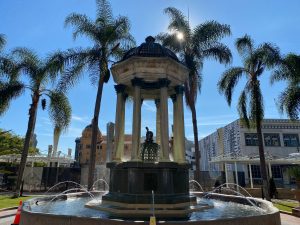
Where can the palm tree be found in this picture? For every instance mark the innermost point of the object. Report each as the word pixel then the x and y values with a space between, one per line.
pixel 40 73
pixel 10 88
pixel 194 45
pixel 2 41
pixel 289 99
pixel 110 37
pixel 250 104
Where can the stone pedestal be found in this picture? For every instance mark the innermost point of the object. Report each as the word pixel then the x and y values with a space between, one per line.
pixel 133 182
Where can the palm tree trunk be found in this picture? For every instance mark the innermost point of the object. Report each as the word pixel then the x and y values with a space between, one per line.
pixel 197 150
pixel 29 133
pixel 263 168
pixel 95 134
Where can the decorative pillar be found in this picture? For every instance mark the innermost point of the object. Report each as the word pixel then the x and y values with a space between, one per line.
pixel 157 103
pixel 164 123
pixel 175 129
pixel 250 173
pixel 236 177
pixel 226 174
pixel 179 134
pixel 120 122
pixel 136 120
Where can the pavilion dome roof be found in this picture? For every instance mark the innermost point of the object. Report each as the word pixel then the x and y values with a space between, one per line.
pixel 150 49
pixel 88 129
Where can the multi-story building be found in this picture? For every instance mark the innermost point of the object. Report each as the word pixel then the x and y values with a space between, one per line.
pixel 240 144
pixel 105 146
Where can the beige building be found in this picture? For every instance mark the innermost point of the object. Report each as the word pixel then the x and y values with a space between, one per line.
pixel 83 147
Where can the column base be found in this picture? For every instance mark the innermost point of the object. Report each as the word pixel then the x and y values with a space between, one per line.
pixel 182 162
pixel 135 160
pixel 165 160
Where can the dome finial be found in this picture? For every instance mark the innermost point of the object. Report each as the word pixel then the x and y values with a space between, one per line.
pixel 150 39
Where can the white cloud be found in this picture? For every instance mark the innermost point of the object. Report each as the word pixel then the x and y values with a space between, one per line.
pixel 149 107
pixel 80 118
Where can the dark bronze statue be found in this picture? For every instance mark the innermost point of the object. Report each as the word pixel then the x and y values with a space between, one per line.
pixel 150 149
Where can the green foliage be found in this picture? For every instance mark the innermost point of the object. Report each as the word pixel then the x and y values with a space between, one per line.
pixel 295 172
pixel 255 60
pixel 2 41
pixel 7 201
pixel 39 164
pixel 110 37
pixel 12 144
pixel 198 44
pixel 289 99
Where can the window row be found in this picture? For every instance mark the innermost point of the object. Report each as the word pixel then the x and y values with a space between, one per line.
pixel 272 139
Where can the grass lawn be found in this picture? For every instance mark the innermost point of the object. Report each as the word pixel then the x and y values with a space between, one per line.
pixel 285 205
pixel 6 201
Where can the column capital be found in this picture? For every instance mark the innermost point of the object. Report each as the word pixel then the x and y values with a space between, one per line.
pixel 157 101
pixel 163 82
pixel 179 89
pixel 120 88
pixel 173 97
pixel 137 81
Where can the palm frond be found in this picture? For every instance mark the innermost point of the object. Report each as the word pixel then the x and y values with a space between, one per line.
pixel 242 108
pixel 59 110
pixel 178 21
pixel 104 12
pixel 209 32
pixel 218 52
pixel 9 68
pixel 288 70
pixel 289 101
pixel 2 41
pixel 170 41
pixel 28 63
pixel 8 92
pixel 269 55
pixel 229 80
pixel 54 64
pixel 245 45
pixel 82 26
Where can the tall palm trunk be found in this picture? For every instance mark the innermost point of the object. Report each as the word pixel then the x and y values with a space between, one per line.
pixel 95 134
pixel 29 133
pixel 263 168
pixel 197 150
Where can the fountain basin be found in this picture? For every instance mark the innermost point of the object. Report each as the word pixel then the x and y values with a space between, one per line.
pixel 50 214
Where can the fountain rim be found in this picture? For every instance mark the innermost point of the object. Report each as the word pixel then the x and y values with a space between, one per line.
pixel 271 210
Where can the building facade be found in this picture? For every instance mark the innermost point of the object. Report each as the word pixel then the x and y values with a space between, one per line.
pixel 280 140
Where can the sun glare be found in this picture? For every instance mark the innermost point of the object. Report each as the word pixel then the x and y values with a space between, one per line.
pixel 180 36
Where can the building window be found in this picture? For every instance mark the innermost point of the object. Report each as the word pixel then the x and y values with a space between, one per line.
pixel 100 146
pixel 88 146
pixel 255 171
pixel 291 140
pixel 251 139
pixel 272 140
pixel 276 172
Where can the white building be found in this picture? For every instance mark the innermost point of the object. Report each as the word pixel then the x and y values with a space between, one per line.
pixel 236 147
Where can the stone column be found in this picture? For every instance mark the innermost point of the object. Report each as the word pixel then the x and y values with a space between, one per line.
pixel 164 123
pixel 179 134
pixel 157 103
pixel 176 149
pixel 136 120
pixel 120 123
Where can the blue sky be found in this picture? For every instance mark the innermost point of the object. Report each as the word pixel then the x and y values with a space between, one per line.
pixel 39 25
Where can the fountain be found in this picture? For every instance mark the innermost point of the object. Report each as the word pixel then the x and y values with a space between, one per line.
pixel 150 183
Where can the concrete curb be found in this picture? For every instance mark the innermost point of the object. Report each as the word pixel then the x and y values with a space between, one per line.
pixel 285 212
pixel 8 209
